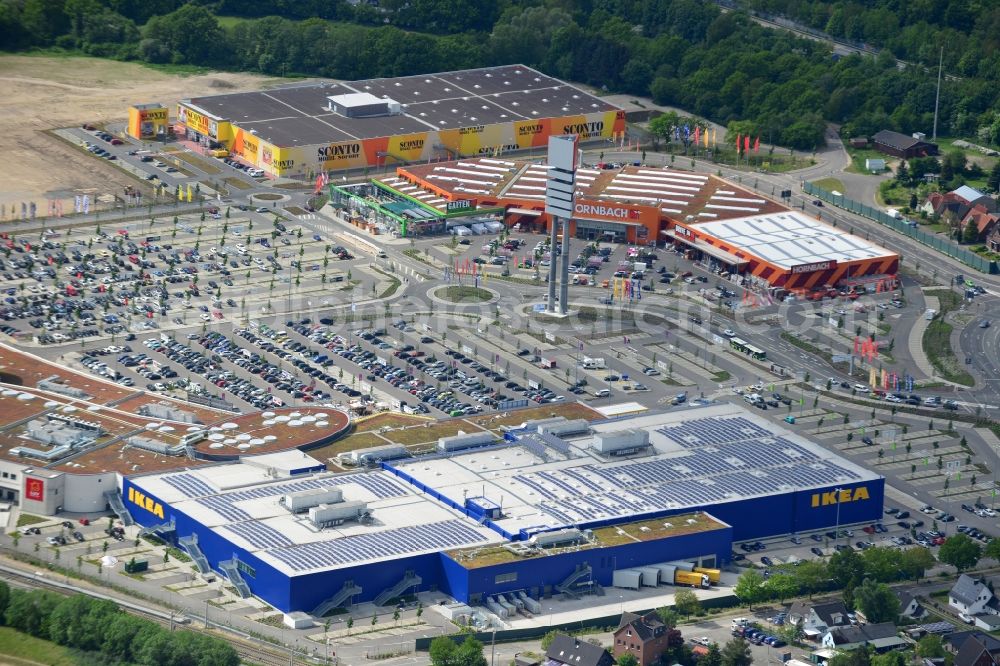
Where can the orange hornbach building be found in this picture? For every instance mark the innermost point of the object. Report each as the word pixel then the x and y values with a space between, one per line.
pixel 732 229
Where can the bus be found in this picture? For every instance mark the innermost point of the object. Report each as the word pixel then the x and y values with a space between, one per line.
pixel 745 347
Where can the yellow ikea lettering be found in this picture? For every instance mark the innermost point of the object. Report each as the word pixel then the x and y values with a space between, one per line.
pixel 146 503
pixel 841 497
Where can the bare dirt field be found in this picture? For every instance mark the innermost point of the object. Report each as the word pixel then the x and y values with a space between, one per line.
pixel 42 92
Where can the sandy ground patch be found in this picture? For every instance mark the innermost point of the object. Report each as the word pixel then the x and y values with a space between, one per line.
pixel 41 93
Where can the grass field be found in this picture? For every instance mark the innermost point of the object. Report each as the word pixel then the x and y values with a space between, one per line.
pixel 19 649
pixel 390 420
pixel 430 432
pixel 465 294
pixel 571 410
pixel 829 184
pixel 26 519
pixel 858 157
pixel 360 440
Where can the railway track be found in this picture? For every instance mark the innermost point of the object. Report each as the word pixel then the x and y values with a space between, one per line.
pixel 248 652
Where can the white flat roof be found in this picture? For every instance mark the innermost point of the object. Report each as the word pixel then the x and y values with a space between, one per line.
pixel 792 238
pixel 239 502
pixel 699 457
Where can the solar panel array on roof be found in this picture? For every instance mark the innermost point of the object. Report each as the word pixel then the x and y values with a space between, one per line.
pixel 379 484
pixel 725 459
pixel 189 484
pixel 390 543
pixel 259 535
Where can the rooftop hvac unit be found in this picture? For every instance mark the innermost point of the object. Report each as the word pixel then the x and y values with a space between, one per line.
pixel 557 538
pixel 465 441
pixel 620 440
pixel 326 515
pixel 306 499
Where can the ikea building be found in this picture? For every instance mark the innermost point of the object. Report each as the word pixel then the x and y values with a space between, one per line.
pixel 552 507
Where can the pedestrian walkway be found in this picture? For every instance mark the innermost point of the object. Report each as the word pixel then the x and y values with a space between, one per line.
pixel 915 343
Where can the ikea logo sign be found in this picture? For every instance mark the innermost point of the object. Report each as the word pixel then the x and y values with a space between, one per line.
pixel 839 497
pixel 147 503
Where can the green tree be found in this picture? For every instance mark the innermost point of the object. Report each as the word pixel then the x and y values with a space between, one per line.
pixel 915 561
pixel 856 657
pixel 846 568
pixel 470 653
pixel 628 659
pixel 811 575
pixel 960 551
pixel 881 564
pixel 4 597
pixel 892 658
pixel 547 639
pixel 686 602
pixel 992 549
pixel 736 653
pixel 443 652
pixel 668 616
pixel 877 601
pixel 781 586
pixel 713 657
pixel 930 647
pixel 28 611
pixel 971 232
pixel 749 588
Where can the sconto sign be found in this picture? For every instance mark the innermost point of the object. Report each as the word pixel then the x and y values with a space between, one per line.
pixel 147 503
pixel 839 497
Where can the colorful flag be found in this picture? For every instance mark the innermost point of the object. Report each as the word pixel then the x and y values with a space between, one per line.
pixel 706 137
pixel 697 135
pixel 746 143
pixel 738 143
pixel 756 144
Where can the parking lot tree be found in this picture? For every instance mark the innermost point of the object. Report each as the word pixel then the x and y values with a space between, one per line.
pixel 750 587
pixel 846 568
pixel 811 576
pixel 992 549
pixel 881 564
pixel 877 601
pixel 960 551
pixel 781 586
pixel 736 652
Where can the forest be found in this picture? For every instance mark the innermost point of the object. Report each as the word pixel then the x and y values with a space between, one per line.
pixel 100 632
pixel 691 54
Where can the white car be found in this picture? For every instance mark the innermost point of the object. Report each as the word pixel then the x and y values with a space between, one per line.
pixel 702 640
pixel 861 388
pixel 986 513
pixel 729 333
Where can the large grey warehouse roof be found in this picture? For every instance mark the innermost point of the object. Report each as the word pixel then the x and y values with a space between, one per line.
pixel 300 115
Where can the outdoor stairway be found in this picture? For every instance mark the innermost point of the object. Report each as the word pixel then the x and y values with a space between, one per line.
pixel 336 601
pixel 409 580
pixel 190 545
pixel 116 504
pixel 567 587
pixel 233 574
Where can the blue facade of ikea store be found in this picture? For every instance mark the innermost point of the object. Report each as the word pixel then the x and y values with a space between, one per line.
pixel 750 519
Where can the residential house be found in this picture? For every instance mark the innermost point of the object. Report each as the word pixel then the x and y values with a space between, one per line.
pixel 901 145
pixel 969 596
pixel 985 221
pixel 993 239
pixel 817 618
pixel 644 636
pixel 571 651
pixel 978 649
pixel 973 197
pixel 946 205
pixel 881 636
pixel 988 622
pixel 909 606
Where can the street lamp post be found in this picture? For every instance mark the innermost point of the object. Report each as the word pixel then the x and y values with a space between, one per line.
pixel 837 535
